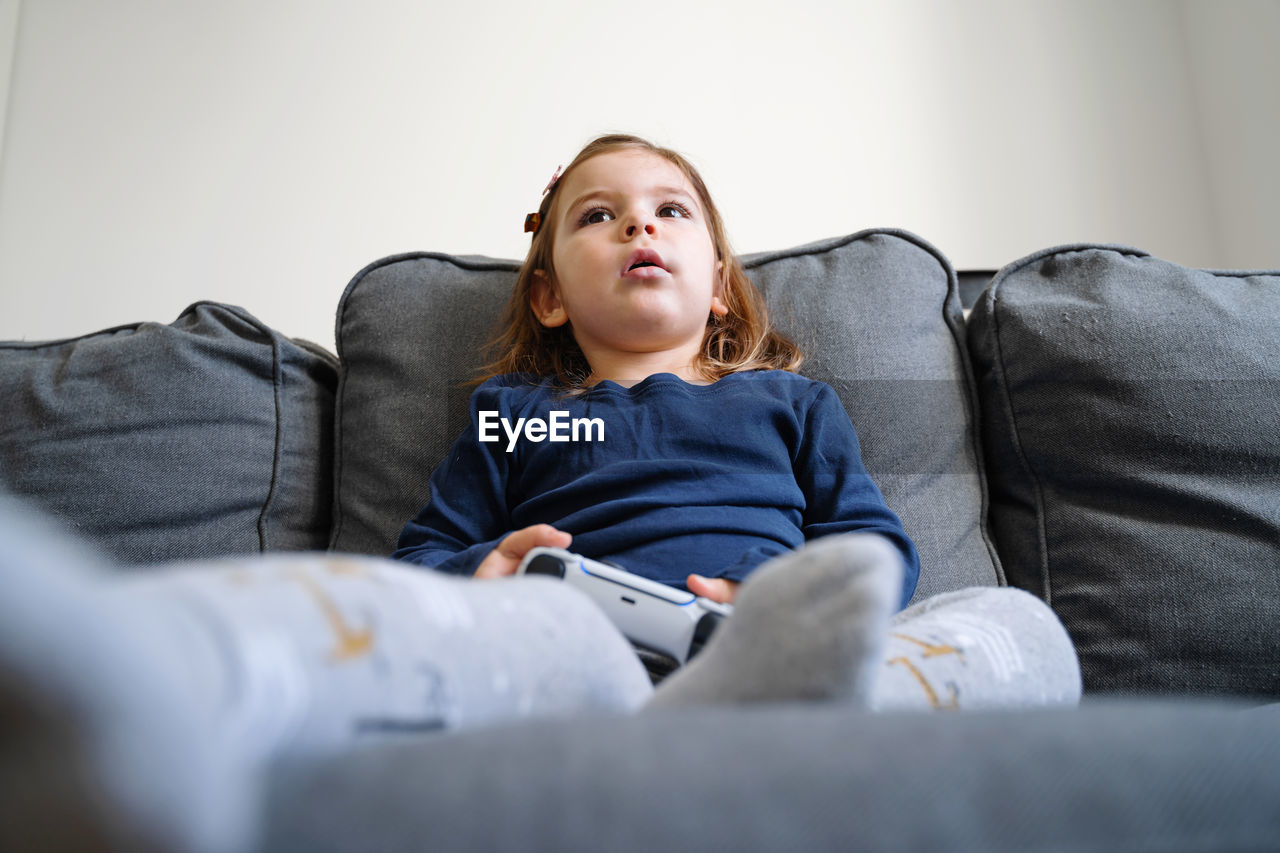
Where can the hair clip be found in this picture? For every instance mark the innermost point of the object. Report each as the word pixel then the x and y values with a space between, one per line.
pixel 533 220
pixel 551 183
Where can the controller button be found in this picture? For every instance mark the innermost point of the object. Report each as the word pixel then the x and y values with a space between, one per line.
pixel 545 564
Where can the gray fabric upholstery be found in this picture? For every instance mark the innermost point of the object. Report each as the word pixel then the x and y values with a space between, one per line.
pixel 1132 427
pixel 1132 777
pixel 878 313
pixel 206 437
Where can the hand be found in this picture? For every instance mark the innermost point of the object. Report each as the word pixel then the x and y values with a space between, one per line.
pixel 716 589
pixel 505 558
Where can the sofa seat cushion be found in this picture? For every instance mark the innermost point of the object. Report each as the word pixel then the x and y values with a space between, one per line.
pixel 1133 776
pixel 877 312
pixel 205 437
pixel 1132 427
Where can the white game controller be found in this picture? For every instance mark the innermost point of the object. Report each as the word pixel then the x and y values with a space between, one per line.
pixel 650 614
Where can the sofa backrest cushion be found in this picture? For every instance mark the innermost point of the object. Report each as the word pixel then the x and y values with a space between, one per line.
pixel 1132 426
pixel 877 312
pixel 207 437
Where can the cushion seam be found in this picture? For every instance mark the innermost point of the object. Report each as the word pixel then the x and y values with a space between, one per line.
pixel 754 259
pixel 1046 579
pixel 277 383
pixel 338 412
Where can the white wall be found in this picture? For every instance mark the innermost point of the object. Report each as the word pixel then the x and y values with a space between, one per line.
pixel 260 152
pixel 1235 70
pixel 8 33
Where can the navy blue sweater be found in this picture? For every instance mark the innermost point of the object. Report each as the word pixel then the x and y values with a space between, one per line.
pixel 664 478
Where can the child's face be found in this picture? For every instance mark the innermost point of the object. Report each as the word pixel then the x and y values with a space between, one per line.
pixel 635 270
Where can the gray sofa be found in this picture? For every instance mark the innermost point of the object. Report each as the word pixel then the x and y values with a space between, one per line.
pixel 1103 430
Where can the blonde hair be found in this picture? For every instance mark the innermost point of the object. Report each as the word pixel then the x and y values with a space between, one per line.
pixel 742 340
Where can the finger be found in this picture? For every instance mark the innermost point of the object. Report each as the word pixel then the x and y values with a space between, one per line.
pixel 716 589
pixel 496 566
pixel 712 588
pixel 519 543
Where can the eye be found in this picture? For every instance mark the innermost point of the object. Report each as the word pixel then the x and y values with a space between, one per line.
pixel 674 210
pixel 595 216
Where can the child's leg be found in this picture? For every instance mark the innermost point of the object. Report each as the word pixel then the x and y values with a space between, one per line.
pixel 183 681
pixel 816 625
pixel 984 647
pixel 313 651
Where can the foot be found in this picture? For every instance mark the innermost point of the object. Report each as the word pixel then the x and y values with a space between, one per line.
pixel 806 626
pixel 69 642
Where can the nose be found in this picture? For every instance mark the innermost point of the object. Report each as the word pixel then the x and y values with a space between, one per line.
pixel 638 223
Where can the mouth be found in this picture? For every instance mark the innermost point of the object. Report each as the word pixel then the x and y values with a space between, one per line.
pixel 644 263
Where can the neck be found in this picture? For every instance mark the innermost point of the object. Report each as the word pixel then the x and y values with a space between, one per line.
pixel 629 368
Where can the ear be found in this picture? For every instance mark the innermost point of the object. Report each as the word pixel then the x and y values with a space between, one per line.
pixel 718 306
pixel 545 302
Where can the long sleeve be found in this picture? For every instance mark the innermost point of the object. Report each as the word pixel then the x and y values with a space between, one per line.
pixel 467 513
pixel 840 496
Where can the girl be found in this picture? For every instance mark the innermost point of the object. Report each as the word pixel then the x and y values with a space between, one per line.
pixel 629 309
pixel 631 312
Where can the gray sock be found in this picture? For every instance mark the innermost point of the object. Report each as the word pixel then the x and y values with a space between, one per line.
pixel 984 647
pixel 806 626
